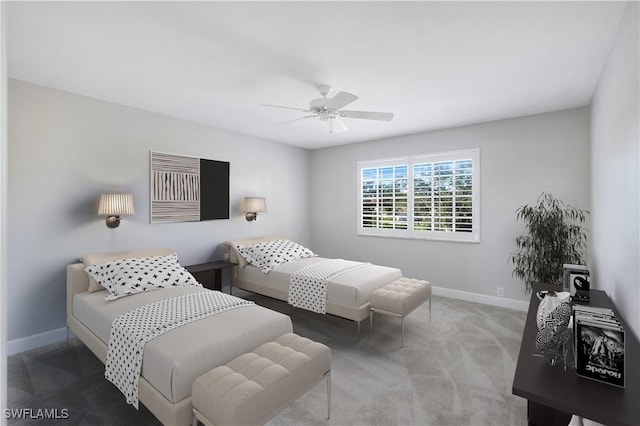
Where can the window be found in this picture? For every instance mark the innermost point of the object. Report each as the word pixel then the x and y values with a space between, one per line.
pixel 431 196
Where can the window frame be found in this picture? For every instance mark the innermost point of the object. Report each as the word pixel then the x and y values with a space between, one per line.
pixel 410 161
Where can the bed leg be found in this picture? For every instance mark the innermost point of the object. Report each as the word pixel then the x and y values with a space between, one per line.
pixel 429 308
pixel 67 335
pixel 358 326
pixel 328 374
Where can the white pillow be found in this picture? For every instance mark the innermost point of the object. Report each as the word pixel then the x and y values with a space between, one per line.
pixel 236 257
pixel 271 254
pixel 97 258
pixel 137 275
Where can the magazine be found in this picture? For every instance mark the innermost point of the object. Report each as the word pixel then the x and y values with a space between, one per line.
pixel 599 348
pixel 593 309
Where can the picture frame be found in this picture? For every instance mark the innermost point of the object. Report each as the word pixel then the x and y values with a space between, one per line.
pixel 579 283
pixel 187 189
pixel 576 278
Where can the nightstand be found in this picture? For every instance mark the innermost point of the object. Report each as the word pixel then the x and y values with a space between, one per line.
pixel 209 274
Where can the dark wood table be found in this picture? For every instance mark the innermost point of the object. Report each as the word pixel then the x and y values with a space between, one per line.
pixel 554 394
pixel 209 274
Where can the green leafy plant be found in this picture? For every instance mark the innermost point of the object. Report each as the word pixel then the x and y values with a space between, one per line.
pixel 556 236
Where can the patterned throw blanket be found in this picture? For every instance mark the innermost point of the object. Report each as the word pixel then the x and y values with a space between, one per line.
pixel 308 285
pixel 130 331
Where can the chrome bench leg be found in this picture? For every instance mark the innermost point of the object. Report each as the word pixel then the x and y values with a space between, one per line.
pixel 328 374
pixel 371 323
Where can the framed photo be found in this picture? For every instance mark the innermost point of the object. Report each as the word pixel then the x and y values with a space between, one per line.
pixel 578 281
pixel 574 278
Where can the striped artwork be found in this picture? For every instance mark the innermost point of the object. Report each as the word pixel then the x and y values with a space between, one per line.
pixel 188 189
pixel 175 188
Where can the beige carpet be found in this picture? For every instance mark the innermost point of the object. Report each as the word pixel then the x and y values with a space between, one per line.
pixel 456 370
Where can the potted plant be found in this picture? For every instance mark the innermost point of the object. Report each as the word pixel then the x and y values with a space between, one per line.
pixel 556 236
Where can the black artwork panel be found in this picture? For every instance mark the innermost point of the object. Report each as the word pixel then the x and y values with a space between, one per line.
pixel 214 189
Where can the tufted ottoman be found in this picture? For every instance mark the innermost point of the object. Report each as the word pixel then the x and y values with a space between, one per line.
pixel 255 386
pixel 400 298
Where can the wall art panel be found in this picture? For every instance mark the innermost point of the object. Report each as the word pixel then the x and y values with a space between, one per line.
pixel 188 189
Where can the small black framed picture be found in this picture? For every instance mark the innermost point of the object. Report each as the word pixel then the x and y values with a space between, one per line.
pixel 576 278
pixel 579 286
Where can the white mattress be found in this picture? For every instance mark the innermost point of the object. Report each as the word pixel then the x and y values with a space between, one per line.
pixel 351 288
pixel 172 361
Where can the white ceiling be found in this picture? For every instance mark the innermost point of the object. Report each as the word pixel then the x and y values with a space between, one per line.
pixel 433 64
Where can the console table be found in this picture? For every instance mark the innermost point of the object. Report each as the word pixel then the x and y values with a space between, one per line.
pixel 554 394
pixel 209 274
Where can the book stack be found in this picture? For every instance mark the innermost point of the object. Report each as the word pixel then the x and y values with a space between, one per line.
pixel 599 344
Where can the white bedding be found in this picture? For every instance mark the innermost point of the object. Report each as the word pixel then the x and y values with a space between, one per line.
pixel 351 288
pixel 172 361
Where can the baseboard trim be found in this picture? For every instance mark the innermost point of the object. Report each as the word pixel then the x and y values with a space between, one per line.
pixel 518 305
pixel 37 340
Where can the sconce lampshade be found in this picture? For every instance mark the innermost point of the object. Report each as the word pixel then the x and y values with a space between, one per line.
pixel 254 205
pixel 115 205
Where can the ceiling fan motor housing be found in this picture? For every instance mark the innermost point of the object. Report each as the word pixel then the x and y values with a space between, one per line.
pixel 324 90
pixel 319 106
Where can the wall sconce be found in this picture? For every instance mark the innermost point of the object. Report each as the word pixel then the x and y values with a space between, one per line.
pixel 114 205
pixel 253 206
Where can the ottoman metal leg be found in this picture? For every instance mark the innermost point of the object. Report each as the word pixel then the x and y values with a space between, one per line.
pixel 328 374
pixel 370 322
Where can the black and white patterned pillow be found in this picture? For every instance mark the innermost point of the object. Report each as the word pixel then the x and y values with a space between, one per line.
pixel 271 254
pixel 131 276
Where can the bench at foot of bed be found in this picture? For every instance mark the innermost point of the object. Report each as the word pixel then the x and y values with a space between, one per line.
pixel 255 386
pixel 399 298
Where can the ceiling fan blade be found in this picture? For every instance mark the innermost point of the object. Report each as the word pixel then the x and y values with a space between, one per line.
pixel 340 100
pixel 368 115
pixel 295 119
pixel 336 126
pixel 286 107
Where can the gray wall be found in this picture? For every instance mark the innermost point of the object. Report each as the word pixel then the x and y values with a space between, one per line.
pixel 65 150
pixel 519 158
pixel 615 175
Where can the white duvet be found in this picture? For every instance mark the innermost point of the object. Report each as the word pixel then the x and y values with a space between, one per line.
pixel 351 288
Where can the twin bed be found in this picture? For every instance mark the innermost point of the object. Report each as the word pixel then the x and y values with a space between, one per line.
pixel 347 293
pixel 173 360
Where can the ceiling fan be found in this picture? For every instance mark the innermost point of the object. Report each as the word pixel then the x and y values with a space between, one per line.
pixel 329 109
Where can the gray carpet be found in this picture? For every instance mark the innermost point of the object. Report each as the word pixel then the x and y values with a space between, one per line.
pixel 456 370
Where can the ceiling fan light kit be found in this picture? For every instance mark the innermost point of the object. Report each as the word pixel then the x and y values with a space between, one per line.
pixel 329 109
